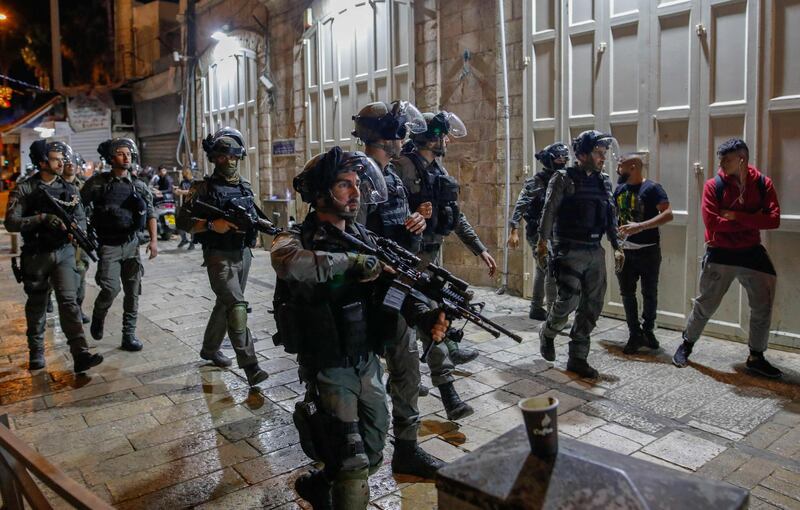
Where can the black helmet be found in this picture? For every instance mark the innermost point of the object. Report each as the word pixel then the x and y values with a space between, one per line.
pixel 109 147
pixel 379 121
pixel 64 149
pixel 438 125
pixel 552 152
pixel 585 142
pixel 319 174
pixel 226 140
pixel 38 152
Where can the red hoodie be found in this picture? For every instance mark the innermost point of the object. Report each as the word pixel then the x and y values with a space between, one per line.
pixel 753 215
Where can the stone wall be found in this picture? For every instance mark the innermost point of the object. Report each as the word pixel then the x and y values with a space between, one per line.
pixel 469 64
pixel 458 68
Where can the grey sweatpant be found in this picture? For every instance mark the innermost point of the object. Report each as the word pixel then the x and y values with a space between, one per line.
pixel 544 284
pixel 581 280
pixel 715 279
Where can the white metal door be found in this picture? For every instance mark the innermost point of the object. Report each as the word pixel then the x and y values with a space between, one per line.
pixel 675 78
pixel 355 56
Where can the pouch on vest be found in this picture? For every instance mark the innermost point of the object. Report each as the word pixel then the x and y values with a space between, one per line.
pixel 289 329
pixel 354 328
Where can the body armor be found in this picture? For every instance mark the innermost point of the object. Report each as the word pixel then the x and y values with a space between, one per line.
pixel 583 215
pixel 326 324
pixel 118 213
pixel 224 195
pixel 441 190
pixel 389 218
pixel 43 238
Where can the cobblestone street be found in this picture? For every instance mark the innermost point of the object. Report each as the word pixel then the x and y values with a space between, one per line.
pixel 162 429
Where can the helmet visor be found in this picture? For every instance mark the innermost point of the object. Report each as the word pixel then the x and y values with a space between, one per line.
pixel 373 186
pixel 457 127
pixel 610 148
pixel 411 118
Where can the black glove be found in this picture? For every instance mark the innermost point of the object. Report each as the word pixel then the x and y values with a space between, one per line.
pixel 52 221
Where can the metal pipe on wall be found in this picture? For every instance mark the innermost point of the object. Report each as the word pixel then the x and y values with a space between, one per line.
pixel 507 128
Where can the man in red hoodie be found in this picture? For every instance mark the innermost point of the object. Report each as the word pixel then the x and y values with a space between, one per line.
pixel 737 204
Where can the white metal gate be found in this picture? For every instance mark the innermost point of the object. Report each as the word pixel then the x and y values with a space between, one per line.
pixel 675 78
pixel 229 91
pixel 354 56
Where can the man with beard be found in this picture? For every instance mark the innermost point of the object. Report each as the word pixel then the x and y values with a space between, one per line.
pixel 328 311
pixel 381 127
pixel 529 206
pixel 121 205
pixel 227 251
pixel 642 206
pixel 48 256
pixel 578 211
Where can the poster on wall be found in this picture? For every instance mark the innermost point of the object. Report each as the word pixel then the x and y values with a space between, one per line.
pixel 89 111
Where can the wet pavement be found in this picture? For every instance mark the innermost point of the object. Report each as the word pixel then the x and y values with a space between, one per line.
pixel 162 429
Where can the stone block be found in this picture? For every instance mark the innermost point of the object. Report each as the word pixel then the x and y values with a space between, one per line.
pixel 684 450
pixel 575 423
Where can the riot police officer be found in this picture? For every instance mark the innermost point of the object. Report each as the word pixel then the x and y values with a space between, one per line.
pixel 73 168
pixel 431 187
pixel 48 256
pixel 120 206
pixel 381 128
pixel 327 307
pixel 226 250
pixel 529 207
pixel 578 211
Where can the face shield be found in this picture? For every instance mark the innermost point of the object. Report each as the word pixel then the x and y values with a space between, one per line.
pixel 456 127
pixel 373 186
pixel 610 147
pixel 410 119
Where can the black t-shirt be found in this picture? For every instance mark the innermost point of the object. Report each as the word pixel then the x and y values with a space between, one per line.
pixel 637 203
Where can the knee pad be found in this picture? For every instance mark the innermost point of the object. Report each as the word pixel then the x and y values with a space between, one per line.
pixel 237 317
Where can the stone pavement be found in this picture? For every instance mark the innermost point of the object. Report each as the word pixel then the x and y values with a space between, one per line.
pixel 161 429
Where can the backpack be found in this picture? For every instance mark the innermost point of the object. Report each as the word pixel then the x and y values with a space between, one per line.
pixel 719 187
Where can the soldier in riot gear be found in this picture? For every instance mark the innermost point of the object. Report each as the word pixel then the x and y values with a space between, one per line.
pixel 327 308
pixel 529 207
pixel 73 168
pixel 48 256
pixel 431 187
pixel 226 250
pixel 381 127
pixel 121 205
pixel 578 211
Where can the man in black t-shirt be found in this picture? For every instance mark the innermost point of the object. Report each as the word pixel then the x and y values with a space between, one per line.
pixel 642 206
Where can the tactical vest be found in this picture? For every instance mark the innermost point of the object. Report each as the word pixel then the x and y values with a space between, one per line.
pixel 43 238
pixel 223 195
pixel 583 215
pixel 533 213
pixel 441 190
pixel 118 212
pixel 326 324
pixel 389 218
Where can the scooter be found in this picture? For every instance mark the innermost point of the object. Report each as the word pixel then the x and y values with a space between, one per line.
pixel 164 204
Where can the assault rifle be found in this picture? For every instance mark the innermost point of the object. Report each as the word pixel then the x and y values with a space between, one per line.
pixel 87 243
pixel 237 215
pixel 435 283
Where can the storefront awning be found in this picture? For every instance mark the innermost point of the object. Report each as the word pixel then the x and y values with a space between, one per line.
pixel 22 115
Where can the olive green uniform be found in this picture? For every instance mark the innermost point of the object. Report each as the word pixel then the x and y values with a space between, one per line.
pixel 48 260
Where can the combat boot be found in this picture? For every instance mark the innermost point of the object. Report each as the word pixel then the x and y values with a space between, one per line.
pixel 255 375
pixel 453 405
pixel 315 488
pixel 461 356
pixel 410 459
pixel 547 346
pixel 86 360
pixel 650 341
pixel 36 359
pixel 217 358
pixel 96 328
pixel 351 490
pixel 131 343
pixel 582 368
pixel 537 313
